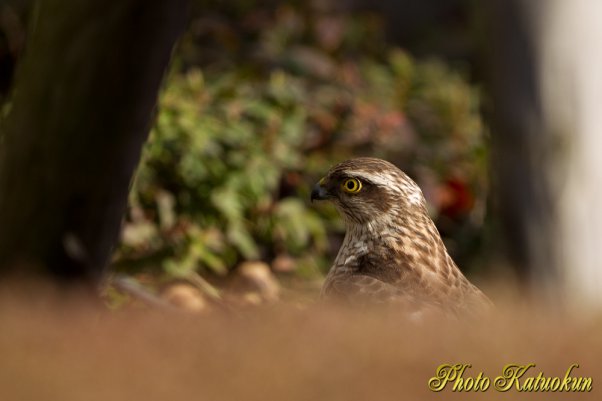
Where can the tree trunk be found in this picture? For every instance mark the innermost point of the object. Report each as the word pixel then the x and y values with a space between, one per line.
pixel 571 74
pixel 520 145
pixel 85 93
pixel 547 59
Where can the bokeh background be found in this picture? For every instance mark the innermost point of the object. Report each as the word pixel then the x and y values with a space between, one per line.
pixel 489 106
pixel 261 100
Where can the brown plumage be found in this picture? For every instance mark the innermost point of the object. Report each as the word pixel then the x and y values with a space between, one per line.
pixel 392 251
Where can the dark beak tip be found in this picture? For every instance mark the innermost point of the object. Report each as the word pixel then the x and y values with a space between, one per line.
pixel 318 193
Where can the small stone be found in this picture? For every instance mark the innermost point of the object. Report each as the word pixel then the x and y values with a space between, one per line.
pixel 256 277
pixel 283 263
pixel 186 297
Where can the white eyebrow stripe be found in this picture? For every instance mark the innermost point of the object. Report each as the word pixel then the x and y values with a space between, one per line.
pixel 409 188
pixel 377 178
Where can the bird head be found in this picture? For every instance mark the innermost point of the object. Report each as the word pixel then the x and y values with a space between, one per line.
pixel 367 189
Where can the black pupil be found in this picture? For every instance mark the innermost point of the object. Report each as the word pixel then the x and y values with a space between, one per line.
pixel 350 184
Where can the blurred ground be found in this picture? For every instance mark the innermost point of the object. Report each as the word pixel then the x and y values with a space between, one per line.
pixel 65 348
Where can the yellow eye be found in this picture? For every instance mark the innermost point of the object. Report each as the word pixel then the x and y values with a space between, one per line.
pixel 352 185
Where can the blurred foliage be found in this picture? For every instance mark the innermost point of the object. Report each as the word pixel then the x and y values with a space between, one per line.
pixel 259 104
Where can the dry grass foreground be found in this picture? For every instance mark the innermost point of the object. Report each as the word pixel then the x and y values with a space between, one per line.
pixel 65 348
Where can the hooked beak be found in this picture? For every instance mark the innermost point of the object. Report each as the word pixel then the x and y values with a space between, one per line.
pixel 319 193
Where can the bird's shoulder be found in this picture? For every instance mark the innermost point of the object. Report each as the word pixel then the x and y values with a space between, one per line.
pixel 356 289
pixel 385 277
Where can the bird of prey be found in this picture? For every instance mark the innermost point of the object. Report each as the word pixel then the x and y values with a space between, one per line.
pixel 392 251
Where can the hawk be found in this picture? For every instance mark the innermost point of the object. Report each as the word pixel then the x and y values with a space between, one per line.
pixel 392 251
